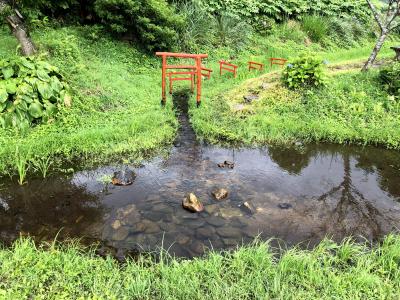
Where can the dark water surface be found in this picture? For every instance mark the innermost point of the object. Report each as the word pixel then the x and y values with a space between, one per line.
pixel 300 194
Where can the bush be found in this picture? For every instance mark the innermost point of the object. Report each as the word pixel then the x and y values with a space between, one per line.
pixel 390 77
pixel 304 72
pixel 31 91
pixel 316 27
pixel 153 22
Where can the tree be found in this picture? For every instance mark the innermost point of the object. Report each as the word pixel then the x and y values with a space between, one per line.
pixel 16 24
pixel 387 22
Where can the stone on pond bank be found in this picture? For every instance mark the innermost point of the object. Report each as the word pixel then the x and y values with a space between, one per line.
pixel 192 204
pixel 220 194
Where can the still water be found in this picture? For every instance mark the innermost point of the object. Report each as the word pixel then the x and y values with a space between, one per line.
pixel 299 194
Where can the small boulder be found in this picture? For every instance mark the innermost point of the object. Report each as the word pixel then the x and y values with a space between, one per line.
pixel 248 207
pixel 220 194
pixel 192 204
pixel 227 164
pixel 265 86
pixel 123 178
pixel 250 98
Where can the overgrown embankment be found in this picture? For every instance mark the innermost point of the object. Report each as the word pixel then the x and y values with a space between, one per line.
pixel 353 107
pixel 330 271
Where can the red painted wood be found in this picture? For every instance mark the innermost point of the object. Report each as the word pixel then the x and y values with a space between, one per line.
pixel 255 66
pixel 223 65
pixel 197 71
pixel 277 61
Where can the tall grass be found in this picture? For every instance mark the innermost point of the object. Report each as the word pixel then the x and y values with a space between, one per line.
pixel 330 271
pixel 316 27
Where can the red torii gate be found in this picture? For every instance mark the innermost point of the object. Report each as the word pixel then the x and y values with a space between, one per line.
pixel 193 70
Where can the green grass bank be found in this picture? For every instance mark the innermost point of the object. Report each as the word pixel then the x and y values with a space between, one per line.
pixel 330 271
pixel 116 114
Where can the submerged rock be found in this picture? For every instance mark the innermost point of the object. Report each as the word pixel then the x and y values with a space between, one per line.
pixel 248 207
pixel 212 209
pixel 123 178
pixel 220 194
pixel 120 234
pixel 192 204
pixel 285 205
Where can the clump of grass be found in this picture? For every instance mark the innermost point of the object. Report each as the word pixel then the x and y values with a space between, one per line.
pixel 330 271
pixel 316 27
pixel 42 165
pixel 21 161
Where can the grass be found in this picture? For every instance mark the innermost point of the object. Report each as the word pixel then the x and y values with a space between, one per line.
pixel 116 109
pixel 342 112
pixel 330 271
pixel 116 115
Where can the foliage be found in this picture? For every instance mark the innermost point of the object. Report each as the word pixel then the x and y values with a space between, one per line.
pixel 153 22
pixel 115 112
pixel 304 72
pixel 390 77
pixel 330 271
pixel 31 91
pixel 279 10
pixel 316 27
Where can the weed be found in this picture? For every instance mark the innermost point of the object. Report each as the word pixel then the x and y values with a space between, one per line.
pixel 21 161
pixel 41 164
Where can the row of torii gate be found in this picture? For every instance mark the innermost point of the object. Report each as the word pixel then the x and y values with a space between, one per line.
pixel 195 73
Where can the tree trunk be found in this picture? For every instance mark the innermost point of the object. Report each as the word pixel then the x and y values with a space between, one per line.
pixel 376 50
pixel 18 29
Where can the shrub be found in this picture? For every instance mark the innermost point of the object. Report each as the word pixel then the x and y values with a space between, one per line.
pixel 390 77
pixel 153 22
pixel 31 91
pixel 304 72
pixel 316 27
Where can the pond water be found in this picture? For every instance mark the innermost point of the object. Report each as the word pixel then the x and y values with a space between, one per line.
pixel 299 195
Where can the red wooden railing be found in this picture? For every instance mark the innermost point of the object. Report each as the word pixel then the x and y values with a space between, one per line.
pixel 277 61
pixel 223 65
pixel 255 66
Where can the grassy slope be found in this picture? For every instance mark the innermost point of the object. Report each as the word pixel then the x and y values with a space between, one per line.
pixel 347 271
pixel 342 112
pixel 116 110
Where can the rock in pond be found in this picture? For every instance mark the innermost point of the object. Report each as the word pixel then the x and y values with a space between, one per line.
pixel 285 205
pixel 192 204
pixel 220 194
pixel 227 164
pixel 123 178
pixel 248 207
pixel 120 234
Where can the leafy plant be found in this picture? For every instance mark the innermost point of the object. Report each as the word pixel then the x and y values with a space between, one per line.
pixel 304 72
pixel 41 164
pixel 31 92
pixel 390 77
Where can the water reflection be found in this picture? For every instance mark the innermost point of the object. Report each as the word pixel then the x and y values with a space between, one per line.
pixel 329 190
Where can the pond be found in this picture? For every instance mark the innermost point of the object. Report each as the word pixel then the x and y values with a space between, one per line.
pixel 298 194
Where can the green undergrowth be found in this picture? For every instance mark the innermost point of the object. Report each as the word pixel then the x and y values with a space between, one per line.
pixel 329 271
pixel 352 108
pixel 115 111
